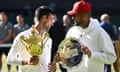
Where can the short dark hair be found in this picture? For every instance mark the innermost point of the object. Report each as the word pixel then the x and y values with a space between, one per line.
pixel 43 10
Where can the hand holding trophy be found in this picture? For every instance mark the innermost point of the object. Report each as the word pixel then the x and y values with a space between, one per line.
pixel 34 45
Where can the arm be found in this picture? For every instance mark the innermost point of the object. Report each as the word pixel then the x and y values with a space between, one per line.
pixel 107 54
pixel 15 31
pixel 14 51
pixel 8 37
pixel 48 46
pixel 13 35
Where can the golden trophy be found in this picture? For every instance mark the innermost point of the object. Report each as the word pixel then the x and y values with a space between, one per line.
pixel 34 43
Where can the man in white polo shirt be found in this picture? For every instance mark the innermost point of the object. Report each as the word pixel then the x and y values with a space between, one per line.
pixel 31 49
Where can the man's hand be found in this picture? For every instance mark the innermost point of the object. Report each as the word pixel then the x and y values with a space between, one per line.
pixel 34 60
pixel 85 50
pixel 52 66
pixel 25 62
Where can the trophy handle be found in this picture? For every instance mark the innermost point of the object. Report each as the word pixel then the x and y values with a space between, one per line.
pixel 25 43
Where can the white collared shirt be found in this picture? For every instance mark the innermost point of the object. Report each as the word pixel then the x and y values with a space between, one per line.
pixel 18 48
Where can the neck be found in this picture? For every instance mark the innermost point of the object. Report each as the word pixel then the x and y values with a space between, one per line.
pixel 4 22
pixel 21 24
pixel 86 24
pixel 39 28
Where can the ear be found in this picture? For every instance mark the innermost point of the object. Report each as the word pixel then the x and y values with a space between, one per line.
pixel 44 18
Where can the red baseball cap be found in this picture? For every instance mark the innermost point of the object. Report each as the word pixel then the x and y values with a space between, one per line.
pixel 80 6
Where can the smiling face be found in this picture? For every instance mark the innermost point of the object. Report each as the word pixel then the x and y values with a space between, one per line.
pixel 45 18
pixel 48 21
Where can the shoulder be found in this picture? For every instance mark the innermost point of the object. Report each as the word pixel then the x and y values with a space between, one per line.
pixel 24 33
pixel 73 28
pixel 26 25
pixel 49 40
pixel 97 27
pixel 15 25
pixel 73 32
pixel 9 24
pixel 102 33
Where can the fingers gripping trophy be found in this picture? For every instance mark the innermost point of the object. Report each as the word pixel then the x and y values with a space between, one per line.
pixel 34 43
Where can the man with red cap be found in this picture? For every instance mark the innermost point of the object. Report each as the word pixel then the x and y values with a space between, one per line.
pixel 96 44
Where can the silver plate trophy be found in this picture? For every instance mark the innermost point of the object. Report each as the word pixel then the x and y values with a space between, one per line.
pixel 69 52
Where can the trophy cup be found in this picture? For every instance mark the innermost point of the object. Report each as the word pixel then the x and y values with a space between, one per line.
pixel 69 52
pixel 34 43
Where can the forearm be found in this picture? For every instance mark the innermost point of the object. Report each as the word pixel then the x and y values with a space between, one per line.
pixel 8 37
pixel 102 57
pixel 104 52
pixel 14 55
pixel 13 60
pixel 5 40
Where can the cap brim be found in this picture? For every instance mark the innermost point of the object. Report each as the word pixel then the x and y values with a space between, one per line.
pixel 71 12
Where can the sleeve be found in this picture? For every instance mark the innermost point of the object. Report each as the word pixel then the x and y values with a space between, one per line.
pixel 14 30
pixel 48 53
pixel 12 57
pixel 68 33
pixel 106 54
pixel 49 45
pixel 10 26
pixel 27 26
